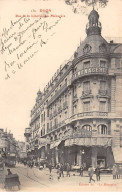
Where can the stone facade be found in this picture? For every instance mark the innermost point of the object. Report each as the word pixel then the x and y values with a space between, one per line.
pixel 78 116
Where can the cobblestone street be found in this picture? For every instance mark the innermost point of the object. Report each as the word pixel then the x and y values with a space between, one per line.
pixel 38 180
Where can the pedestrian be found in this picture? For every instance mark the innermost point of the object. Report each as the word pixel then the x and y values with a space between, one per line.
pixel 81 170
pixel 50 171
pixel 91 173
pixel 97 171
pixel 9 172
pixel 62 170
pixel 58 172
pixel 114 172
pixel 50 167
pixel 68 169
pixel 120 171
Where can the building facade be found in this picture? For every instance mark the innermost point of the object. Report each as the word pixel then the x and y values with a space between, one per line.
pixel 8 144
pixel 78 116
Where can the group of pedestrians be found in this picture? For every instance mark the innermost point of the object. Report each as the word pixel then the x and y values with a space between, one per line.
pixel 61 168
pixel 117 171
pixel 91 172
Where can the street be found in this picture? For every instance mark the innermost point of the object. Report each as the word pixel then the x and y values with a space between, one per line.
pixel 33 179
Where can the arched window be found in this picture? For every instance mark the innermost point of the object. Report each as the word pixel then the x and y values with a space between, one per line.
pixel 87 127
pixel 102 129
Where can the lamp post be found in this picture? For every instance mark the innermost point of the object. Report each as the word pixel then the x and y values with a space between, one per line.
pixel 82 152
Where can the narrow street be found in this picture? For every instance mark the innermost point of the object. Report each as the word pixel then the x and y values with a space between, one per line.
pixel 38 180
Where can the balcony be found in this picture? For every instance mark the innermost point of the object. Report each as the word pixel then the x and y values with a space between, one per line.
pixel 27 132
pixel 102 92
pixel 58 93
pixel 37 115
pixel 94 114
pixel 86 93
pixel 90 71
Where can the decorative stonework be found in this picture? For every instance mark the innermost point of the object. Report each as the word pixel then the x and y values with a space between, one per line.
pixel 102 48
pixel 87 49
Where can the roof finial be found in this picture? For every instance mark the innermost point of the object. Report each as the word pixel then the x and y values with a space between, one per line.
pixel 93 4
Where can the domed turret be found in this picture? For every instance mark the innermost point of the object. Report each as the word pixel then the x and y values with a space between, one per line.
pixel 94 26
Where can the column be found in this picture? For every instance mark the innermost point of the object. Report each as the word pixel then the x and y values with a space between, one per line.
pixel 94 156
pixel 56 154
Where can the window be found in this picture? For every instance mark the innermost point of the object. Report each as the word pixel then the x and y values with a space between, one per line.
pixel 42 118
pixel 66 115
pixel 74 91
pixel 86 86
pixel 48 113
pixel 47 126
pixel 74 109
pixel 86 64
pixel 102 129
pixel 121 136
pixel 102 85
pixel 86 106
pixel 102 106
pixel 102 64
pixel 87 127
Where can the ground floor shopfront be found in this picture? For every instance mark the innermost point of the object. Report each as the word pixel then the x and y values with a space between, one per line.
pixel 82 155
pixel 77 151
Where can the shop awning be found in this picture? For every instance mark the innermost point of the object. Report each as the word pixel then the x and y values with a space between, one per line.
pixel 43 142
pixel 55 144
pixel 117 153
pixel 90 141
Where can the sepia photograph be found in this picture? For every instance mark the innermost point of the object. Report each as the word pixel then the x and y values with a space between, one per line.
pixel 61 96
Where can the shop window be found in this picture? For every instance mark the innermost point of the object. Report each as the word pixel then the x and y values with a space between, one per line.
pixel 102 107
pixel 86 86
pixel 87 127
pixel 86 106
pixel 102 129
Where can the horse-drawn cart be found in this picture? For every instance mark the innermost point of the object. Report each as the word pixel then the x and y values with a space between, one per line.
pixel 12 181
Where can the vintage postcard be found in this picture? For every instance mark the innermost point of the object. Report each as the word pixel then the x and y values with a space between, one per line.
pixel 60 95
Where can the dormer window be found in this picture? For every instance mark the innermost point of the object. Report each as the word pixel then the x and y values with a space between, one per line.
pixel 86 64
pixel 87 49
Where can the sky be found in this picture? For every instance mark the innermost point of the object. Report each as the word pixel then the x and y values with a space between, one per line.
pixel 18 94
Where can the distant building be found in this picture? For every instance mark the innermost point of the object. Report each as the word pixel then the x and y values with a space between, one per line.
pixel 7 142
pixel 78 117
pixel 21 150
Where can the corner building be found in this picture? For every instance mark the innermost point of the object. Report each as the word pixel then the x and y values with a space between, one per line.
pixel 78 117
